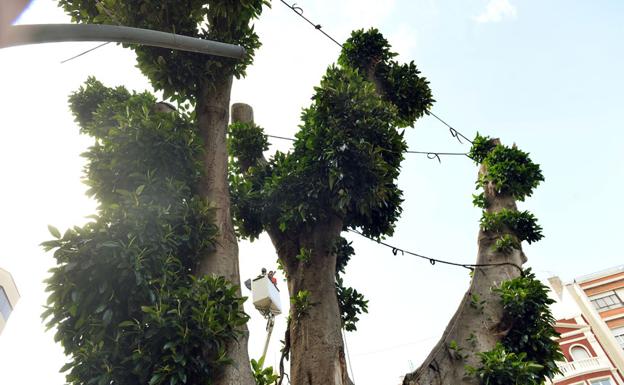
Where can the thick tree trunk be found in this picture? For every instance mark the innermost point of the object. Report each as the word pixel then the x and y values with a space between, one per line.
pixel 478 322
pixel 213 118
pixel 316 346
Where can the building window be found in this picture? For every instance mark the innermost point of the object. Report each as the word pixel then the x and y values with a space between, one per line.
pixel 607 302
pixel 579 353
pixel 619 336
pixel 5 305
pixel 602 381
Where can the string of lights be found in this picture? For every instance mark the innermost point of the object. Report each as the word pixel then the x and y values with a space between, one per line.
pixel 433 261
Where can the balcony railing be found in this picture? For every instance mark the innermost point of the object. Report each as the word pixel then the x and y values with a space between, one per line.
pixel 574 368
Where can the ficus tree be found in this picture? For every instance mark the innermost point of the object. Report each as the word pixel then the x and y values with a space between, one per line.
pixel 341 174
pixel 124 296
pixel 202 83
pixel 503 331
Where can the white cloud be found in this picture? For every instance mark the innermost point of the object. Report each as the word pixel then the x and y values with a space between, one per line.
pixel 497 10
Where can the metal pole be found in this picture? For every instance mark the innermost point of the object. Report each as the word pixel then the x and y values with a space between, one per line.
pixel 51 33
pixel 270 323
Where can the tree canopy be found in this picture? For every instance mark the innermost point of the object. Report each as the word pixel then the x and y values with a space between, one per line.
pixel 341 174
pixel 123 297
pixel 346 155
pixel 177 73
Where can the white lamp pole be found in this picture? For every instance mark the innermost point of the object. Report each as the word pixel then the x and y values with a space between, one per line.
pixel 51 33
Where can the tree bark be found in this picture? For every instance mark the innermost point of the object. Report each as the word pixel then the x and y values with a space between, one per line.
pixel 476 326
pixel 316 345
pixel 213 117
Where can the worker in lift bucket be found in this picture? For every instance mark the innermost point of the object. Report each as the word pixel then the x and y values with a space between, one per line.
pixel 272 278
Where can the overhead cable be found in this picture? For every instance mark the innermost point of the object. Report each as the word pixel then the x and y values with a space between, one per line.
pixel 318 27
pixel 429 154
pixel 433 261
pixel 299 11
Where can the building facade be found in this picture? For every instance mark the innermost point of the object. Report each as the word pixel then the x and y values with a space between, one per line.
pixel 8 297
pixel 590 319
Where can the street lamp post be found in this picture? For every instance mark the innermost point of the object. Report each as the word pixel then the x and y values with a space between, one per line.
pixel 51 33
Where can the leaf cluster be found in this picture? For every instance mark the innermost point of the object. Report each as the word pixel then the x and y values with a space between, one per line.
pixel 123 298
pixel 401 84
pixel 521 224
pixel 526 307
pixel 177 73
pixel 246 144
pixel 509 169
pixel 350 302
pixel 528 353
pixel 301 303
pixel 346 142
pixel 481 147
pixel 506 244
pixel 263 376
pixel 502 367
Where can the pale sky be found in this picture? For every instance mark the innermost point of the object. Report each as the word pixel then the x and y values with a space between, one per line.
pixel 546 75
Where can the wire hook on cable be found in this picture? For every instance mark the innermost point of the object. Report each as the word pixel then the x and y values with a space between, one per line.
pixel 296 8
pixel 433 155
pixel 299 11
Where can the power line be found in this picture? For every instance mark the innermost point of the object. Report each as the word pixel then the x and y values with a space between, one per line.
pixel 344 337
pixel 85 52
pixel 436 155
pixel 433 261
pixel 113 18
pixel 318 27
pixel 281 137
pixel 454 133
pixel 429 154
pixel 299 11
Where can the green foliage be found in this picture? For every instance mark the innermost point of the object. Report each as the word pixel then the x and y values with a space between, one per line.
pixel 528 353
pixel 522 224
pixel 479 200
pixel 481 147
pixel 476 302
pixel 301 303
pixel 506 244
pixel 263 376
pixel 512 172
pixel 351 304
pixel 345 162
pixel 180 74
pixel 509 169
pixel 346 141
pixel 304 255
pixel 344 251
pixel 246 144
pixel 526 305
pixel 401 84
pixel 364 49
pixel 123 298
pixel 501 367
